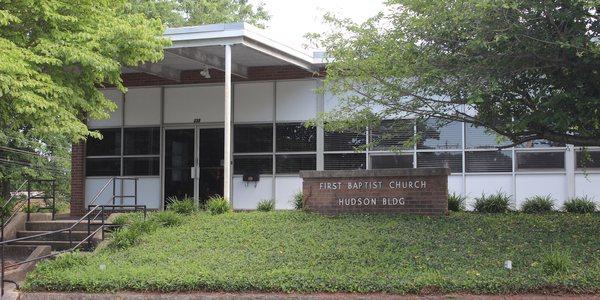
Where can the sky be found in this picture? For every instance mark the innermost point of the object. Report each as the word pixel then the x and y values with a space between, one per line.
pixel 291 19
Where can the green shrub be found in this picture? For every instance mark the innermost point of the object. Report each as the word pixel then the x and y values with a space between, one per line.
pixel 556 262
pixel 33 208
pixel 217 205
pixel 6 211
pixel 298 201
pixel 494 203
pixel 185 206
pixel 456 202
pixel 538 204
pixel 266 205
pixel 167 218
pixel 580 205
pixel 124 237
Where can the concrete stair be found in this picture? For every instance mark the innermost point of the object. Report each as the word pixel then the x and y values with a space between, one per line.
pixel 59 240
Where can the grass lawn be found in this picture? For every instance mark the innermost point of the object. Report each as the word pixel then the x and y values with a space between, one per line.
pixel 302 252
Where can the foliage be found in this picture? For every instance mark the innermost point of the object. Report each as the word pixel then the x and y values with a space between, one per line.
pixel 217 205
pixel 298 201
pixel 291 251
pixel 580 205
pixel 527 68
pixel 494 203
pixel 33 208
pixel 167 218
pixel 184 206
pixel 556 262
pixel 266 205
pixel 176 13
pixel 456 202
pixel 538 204
pixel 135 226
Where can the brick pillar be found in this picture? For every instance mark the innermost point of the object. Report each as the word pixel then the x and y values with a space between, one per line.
pixel 78 179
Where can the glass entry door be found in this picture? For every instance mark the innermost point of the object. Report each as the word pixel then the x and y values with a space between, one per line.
pixel 193 163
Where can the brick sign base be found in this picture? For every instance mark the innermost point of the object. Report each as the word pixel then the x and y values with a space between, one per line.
pixel 422 191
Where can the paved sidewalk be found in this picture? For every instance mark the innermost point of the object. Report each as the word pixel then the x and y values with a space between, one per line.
pixel 274 296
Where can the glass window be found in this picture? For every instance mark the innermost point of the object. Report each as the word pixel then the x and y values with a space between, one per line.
pixel 391 161
pixel 102 166
pixel 488 161
pixel 588 159
pixel 348 161
pixel 392 134
pixel 344 141
pixel 540 160
pixel 293 163
pixel 140 166
pixel 540 144
pixel 435 136
pixel 262 164
pixel 295 137
pixel 141 141
pixel 440 160
pixel 253 138
pixel 110 144
pixel 479 138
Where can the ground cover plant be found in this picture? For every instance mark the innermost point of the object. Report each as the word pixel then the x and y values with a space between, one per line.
pixel 303 252
pixel 217 205
pixel 266 205
pixel 493 203
pixel 580 205
pixel 538 204
pixel 456 202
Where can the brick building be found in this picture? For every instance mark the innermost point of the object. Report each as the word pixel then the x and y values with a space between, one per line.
pixel 230 80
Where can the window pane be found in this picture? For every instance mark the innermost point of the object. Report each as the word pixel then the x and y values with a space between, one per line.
pixel 141 141
pixel 435 137
pixel 392 161
pixel 440 160
pixel 293 163
pixel 253 138
pixel 589 159
pixel 344 141
pixel 252 163
pixel 296 137
pixel 110 144
pixel 479 138
pixel 139 166
pixel 489 161
pixel 540 144
pixel 392 134
pixel 349 161
pixel 102 166
pixel 540 160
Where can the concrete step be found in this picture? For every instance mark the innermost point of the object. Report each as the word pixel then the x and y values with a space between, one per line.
pixel 56 245
pixel 59 224
pixel 58 236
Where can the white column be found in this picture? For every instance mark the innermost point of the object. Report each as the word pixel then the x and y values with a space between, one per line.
pixel 570 171
pixel 228 161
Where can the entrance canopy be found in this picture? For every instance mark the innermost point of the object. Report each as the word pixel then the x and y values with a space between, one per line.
pixel 236 50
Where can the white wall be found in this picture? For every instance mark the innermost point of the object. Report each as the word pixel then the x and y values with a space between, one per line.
pixel 253 102
pixel 285 189
pixel 476 184
pixel 148 191
pixel 455 184
pixel 116 117
pixel 142 106
pixel 296 100
pixel 529 185
pixel 184 104
pixel 588 185
pixel 247 195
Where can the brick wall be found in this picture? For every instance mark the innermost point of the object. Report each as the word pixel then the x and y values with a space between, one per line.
pixel 78 179
pixel 194 77
pixel 413 191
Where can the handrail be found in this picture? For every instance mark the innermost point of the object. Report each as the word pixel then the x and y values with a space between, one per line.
pixel 69 229
pixel 5 220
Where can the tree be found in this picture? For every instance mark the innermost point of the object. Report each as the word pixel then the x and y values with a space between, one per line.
pixel 55 55
pixel 524 69
pixel 197 12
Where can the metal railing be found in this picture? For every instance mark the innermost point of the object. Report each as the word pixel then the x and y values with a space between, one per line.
pixel 42 196
pixel 95 211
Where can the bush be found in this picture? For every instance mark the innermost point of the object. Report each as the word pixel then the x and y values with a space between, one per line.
pixel 556 262
pixel 538 204
pixel 185 206
pixel 580 205
pixel 456 202
pixel 266 205
pixel 298 201
pixel 167 218
pixel 494 203
pixel 217 205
